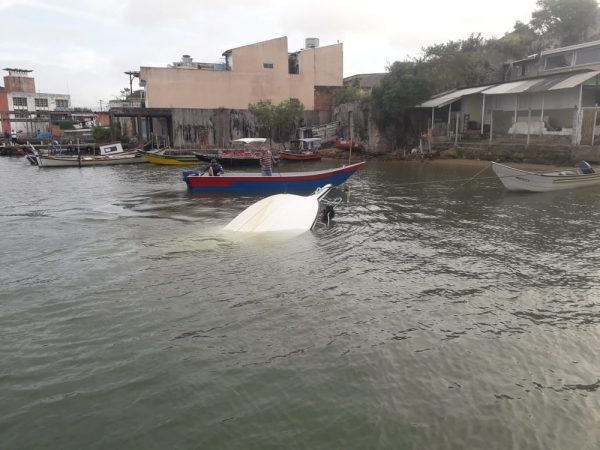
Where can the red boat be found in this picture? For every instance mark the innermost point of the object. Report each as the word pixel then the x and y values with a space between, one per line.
pixel 244 152
pixel 306 149
pixel 344 144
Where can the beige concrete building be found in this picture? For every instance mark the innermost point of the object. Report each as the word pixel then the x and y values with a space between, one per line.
pixel 261 71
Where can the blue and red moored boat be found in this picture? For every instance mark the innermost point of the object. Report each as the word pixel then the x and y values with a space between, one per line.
pixel 282 182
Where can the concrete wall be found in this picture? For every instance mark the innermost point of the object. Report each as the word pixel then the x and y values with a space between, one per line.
pixel 19 84
pixel 4 122
pixel 203 128
pixel 248 81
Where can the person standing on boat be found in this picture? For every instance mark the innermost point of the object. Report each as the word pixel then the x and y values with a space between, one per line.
pixel 266 164
pixel 214 169
pixel 13 136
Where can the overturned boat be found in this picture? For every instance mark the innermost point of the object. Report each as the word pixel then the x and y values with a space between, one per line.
pixel 281 212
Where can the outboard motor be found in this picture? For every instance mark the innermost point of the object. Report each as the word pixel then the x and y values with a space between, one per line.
pixel 327 214
pixel 188 173
pixel 585 167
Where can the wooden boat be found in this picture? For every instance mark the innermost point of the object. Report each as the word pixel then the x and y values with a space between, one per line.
pixel 281 212
pixel 244 152
pixel 284 182
pixel 345 144
pixel 582 175
pixel 306 149
pixel 170 157
pixel 110 155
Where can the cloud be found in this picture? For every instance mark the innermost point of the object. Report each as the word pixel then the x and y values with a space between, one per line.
pixel 91 43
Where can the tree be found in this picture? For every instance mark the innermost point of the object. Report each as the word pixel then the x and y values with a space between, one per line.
pixel 349 94
pixel 287 116
pixel 406 85
pixel 459 63
pixel 568 21
pixel 101 134
pixel 264 112
pixel 518 43
pixel 281 118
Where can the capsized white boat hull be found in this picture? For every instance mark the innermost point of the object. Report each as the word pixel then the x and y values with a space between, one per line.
pixel 522 180
pixel 281 212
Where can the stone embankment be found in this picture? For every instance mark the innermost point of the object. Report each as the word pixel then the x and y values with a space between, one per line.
pixel 549 154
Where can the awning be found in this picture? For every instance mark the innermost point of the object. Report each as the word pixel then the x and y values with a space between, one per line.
pixel 451 97
pixel 575 80
pixel 549 83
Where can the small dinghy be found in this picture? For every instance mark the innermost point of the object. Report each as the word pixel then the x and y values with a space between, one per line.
pixel 281 212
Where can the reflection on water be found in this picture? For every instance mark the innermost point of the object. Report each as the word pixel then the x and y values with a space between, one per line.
pixel 434 313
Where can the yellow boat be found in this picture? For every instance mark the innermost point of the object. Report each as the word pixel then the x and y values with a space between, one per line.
pixel 171 157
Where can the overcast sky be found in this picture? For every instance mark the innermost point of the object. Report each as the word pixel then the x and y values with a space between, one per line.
pixel 83 47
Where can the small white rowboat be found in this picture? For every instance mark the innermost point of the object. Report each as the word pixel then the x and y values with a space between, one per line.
pixel 521 180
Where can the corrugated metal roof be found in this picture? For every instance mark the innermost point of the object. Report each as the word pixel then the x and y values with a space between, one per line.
pixel 550 83
pixel 542 84
pixel 445 99
pixel 574 80
pixel 514 87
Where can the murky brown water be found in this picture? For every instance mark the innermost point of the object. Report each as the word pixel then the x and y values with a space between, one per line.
pixel 437 315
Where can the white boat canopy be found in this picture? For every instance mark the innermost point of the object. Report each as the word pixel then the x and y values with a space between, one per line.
pixel 250 140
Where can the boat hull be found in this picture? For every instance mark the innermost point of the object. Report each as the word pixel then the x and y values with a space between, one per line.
pixel 286 182
pixel 88 161
pixel 308 156
pixel 345 145
pixel 524 181
pixel 171 160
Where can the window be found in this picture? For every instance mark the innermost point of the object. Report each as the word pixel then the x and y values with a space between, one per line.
pixel 60 103
pixel 20 102
pixel 558 61
pixel 587 56
pixel 268 65
pixel 41 102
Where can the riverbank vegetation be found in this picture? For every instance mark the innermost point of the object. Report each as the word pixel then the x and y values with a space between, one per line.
pixel 474 61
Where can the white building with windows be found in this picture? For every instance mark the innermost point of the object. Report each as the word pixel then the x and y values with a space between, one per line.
pixel 31 111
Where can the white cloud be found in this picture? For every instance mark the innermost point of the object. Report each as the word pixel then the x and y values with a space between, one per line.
pixel 89 44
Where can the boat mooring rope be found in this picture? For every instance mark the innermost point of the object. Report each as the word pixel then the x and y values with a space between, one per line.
pixel 464 181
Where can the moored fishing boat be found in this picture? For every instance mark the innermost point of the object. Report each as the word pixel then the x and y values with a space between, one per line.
pixel 244 152
pixel 170 157
pixel 284 182
pixel 110 154
pixel 306 149
pixel 582 175
pixel 346 144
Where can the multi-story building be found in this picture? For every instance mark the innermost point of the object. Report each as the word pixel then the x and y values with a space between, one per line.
pixel 248 74
pixel 30 111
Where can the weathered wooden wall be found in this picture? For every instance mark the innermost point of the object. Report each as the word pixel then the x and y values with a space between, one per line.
pixel 217 127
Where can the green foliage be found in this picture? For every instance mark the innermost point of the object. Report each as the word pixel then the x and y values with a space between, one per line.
pixel 349 94
pixel 264 111
pixel 458 63
pixel 101 134
pixel 407 84
pixel 569 21
pixel 518 43
pixel 282 118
